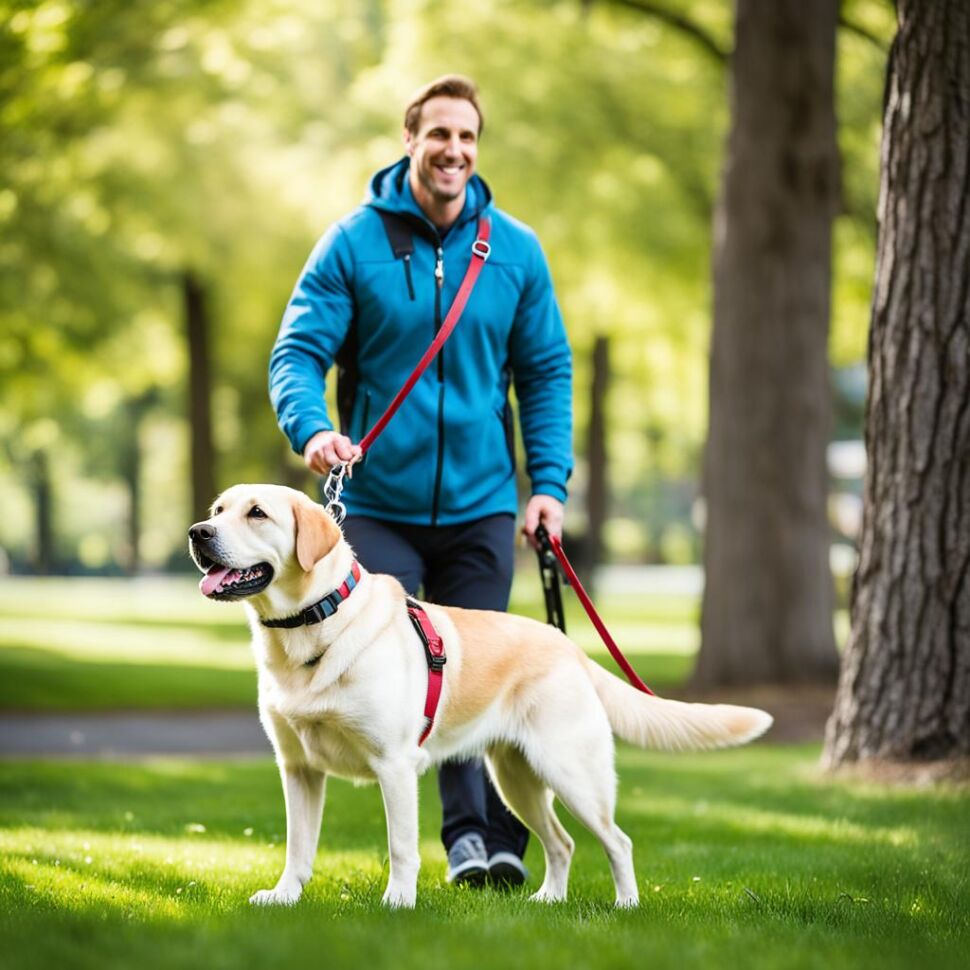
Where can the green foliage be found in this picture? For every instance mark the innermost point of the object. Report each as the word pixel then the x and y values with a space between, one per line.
pixel 143 139
pixel 743 858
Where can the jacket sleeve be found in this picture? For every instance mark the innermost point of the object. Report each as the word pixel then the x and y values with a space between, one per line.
pixel 542 370
pixel 314 326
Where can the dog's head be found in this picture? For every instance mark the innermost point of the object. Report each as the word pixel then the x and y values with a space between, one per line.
pixel 256 534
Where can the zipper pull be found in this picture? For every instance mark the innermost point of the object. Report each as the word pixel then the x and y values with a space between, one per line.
pixel 439 268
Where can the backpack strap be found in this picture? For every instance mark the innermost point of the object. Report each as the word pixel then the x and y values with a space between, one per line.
pixel 399 234
pixel 400 237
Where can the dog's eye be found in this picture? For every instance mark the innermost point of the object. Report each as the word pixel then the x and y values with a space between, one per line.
pixel 217 510
pixel 256 513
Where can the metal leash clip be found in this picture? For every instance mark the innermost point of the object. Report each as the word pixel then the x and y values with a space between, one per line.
pixel 332 489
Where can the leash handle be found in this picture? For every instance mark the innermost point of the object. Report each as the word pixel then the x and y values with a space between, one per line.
pixel 617 654
pixel 480 253
pixel 549 577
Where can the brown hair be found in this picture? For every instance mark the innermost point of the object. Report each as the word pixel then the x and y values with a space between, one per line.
pixel 448 86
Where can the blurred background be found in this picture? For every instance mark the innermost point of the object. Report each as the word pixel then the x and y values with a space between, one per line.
pixel 165 168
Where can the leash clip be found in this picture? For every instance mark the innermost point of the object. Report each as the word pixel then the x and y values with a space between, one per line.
pixel 332 489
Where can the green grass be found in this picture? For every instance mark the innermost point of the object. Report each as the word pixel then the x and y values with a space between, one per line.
pixel 93 644
pixel 744 858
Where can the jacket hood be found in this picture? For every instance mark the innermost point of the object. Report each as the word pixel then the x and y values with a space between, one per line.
pixel 390 190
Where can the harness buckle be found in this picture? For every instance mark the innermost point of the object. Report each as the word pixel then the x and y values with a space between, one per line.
pixel 436 661
pixel 481 249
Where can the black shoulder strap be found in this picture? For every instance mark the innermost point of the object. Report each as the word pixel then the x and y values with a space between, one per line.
pixel 401 239
pixel 399 233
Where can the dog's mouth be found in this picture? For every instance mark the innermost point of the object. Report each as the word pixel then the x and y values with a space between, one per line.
pixel 222 582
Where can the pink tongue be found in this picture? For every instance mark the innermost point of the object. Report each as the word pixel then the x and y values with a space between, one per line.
pixel 212 580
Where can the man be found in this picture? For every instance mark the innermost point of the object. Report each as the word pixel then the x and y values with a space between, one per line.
pixel 434 503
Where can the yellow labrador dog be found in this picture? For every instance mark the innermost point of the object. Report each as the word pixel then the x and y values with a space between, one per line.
pixel 345 696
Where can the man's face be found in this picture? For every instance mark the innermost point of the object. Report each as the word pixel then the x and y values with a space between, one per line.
pixel 444 149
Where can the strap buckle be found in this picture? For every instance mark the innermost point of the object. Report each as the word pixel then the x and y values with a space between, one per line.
pixel 436 661
pixel 481 249
pixel 322 610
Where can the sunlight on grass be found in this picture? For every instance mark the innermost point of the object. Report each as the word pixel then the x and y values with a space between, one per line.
pixel 129 643
pixel 743 857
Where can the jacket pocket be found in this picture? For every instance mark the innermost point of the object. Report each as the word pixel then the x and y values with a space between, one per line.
pixel 507 417
pixel 362 405
pixel 407 275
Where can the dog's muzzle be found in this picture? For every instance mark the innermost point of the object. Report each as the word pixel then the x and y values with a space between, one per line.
pixel 221 581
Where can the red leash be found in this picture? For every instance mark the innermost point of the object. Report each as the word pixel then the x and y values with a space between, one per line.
pixel 480 252
pixel 543 536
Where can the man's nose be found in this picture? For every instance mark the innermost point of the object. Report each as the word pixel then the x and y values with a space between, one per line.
pixel 201 532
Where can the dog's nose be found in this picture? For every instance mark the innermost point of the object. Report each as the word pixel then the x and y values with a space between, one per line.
pixel 201 531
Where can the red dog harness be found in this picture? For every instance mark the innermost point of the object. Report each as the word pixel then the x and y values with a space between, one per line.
pixel 434 653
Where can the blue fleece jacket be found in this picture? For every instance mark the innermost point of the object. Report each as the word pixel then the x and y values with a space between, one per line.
pixel 447 455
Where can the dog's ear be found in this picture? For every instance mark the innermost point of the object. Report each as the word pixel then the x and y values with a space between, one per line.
pixel 316 533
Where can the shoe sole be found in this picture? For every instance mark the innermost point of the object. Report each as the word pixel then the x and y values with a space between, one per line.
pixel 504 875
pixel 475 877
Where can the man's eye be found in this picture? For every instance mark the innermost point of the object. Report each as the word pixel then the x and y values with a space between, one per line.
pixel 256 513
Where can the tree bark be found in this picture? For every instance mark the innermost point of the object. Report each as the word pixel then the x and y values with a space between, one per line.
pixel 904 692
pixel 200 394
pixel 768 599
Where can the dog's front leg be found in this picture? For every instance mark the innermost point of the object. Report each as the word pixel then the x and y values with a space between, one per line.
pixel 303 790
pixel 399 788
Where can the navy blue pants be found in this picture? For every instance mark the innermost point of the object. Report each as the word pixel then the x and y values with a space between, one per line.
pixel 468 565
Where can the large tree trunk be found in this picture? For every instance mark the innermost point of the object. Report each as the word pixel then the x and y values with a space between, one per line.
pixel 768 600
pixel 200 394
pixel 904 693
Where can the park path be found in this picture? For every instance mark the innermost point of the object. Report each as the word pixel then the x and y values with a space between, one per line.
pixel 800 716
pixel 121 734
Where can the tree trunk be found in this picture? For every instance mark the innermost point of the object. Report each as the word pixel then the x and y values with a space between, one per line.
pixel 904 693
pixel 44 554
pixel 597 496
pixel 768 599
pixel 200 392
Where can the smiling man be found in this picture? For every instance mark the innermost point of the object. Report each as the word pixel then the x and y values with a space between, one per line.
pixel 434 503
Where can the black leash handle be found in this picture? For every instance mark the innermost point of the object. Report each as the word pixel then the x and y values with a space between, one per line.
pixel 549 576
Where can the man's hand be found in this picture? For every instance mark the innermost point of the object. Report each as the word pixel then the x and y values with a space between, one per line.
pixel 328 448
pixel 547 510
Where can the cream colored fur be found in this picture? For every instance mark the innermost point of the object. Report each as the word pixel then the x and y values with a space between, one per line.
pixel 515 690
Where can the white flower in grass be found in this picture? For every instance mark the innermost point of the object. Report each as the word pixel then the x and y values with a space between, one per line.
pixel 194 828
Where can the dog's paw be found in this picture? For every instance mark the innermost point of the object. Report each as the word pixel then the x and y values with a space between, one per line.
pixel 275 897
pixel 544 895
pixel 399 898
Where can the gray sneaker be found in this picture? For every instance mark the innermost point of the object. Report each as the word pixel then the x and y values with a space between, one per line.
pixel 505 870
pixel 468 861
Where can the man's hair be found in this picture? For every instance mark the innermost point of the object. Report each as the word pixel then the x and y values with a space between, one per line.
pixel 448 86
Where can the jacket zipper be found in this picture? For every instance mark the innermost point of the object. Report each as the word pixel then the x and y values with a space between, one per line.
pixel 439 278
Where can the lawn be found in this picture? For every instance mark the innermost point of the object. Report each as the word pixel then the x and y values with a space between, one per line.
pixel 744 858
pixel 89 644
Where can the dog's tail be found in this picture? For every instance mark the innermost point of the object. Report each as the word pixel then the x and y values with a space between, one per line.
pixel 666 725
